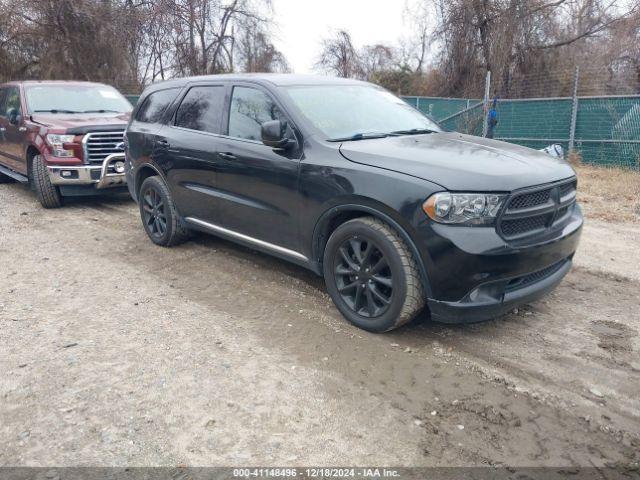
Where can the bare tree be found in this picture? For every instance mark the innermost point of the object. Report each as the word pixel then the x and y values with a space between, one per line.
pixel 375 59
pixel 512 38
pixel 256 52
pixel 130 43
pixel 339 56
pixel 80 39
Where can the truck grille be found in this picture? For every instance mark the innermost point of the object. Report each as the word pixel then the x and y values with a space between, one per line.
pixel 99 145
pixel 536 211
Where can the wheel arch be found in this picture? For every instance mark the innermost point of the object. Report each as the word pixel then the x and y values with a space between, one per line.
pixel 339 214
pixel 142 173
pixel 30 154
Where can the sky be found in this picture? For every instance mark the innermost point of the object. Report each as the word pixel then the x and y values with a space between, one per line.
pixel 302 24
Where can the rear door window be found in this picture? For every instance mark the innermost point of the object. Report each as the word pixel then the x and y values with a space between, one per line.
pixel 154 106
pixel 250 108
pixel 201 109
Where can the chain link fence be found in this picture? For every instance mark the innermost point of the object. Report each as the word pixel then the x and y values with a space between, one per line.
pixel 591 119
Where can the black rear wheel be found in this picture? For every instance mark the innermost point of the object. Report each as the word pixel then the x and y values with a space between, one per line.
pixel 154 213
pixel 372 276
pixel 159 215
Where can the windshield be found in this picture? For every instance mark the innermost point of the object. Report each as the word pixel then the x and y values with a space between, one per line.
pixel 75 99
pixel 344 111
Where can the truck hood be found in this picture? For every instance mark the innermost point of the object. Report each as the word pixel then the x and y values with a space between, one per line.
pixel 81 121
pixel 460 162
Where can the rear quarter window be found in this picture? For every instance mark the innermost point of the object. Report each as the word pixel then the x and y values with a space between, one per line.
pixel 155 105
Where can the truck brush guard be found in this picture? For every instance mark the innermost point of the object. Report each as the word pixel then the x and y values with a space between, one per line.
pixel 109 174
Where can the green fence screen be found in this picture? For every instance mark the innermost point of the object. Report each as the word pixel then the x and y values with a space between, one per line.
pixel 607 128
pixel 133 99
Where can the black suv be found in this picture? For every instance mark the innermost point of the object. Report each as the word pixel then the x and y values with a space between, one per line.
pixel 346 179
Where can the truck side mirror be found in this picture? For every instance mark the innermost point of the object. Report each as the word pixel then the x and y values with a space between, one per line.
pixel 13 116
pixel 273 134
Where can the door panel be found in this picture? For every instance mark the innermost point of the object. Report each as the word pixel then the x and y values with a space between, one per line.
pixel 189 159
pixel 190 153
pixel 5 133
pixel 258 192
pixel 258 185
pixel 15 133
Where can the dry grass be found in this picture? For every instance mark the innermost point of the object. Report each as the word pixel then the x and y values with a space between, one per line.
pixel 609 194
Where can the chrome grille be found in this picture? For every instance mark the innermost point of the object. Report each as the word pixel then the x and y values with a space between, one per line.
pixel 535 211
pixel 99 145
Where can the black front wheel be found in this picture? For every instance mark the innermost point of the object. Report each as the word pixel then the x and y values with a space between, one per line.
pixel 158 213
pixel 372 276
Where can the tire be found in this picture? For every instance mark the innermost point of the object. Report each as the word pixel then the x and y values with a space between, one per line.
pixel 48 194
pixel 390 273
pixel 159 215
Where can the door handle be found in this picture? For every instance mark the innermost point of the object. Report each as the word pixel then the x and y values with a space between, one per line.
pixel 163 143
pixel 227 156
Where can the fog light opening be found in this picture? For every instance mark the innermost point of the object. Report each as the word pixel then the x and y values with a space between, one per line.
pixel 69 174
pixel 118 167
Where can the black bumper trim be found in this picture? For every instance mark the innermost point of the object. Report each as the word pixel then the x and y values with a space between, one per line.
pixel 469 311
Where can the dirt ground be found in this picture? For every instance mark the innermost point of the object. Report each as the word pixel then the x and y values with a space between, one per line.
pixel 117 352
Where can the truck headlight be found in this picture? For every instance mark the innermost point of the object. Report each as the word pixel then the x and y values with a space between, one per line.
pixel 57 142
pixel 463 208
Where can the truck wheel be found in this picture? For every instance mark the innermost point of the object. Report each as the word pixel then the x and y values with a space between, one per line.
pixel 372 276
pixel 159 215
pixel 48 194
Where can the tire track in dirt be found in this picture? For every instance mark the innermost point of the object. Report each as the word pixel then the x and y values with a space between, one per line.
pixel 516 385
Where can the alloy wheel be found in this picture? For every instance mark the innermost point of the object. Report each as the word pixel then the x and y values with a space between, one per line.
pixel 363 277
pixel 153 209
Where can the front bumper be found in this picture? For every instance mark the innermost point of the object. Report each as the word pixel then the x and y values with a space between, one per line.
pixel 474 275
pixel 97 176
pixel 493 299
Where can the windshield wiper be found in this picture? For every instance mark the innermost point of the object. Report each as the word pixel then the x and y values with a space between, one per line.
pixel 101 111
pixel 413 131
pixel 54 110
pixel 359 136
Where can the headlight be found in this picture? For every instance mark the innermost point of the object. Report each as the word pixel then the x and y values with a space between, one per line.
pixel 463 208
pixel 56 141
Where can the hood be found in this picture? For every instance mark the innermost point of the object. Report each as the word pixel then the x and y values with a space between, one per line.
pixel 460 162
pixel 80 121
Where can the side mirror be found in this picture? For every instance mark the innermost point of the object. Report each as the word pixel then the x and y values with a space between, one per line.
pixel 273 134
pixel 13 116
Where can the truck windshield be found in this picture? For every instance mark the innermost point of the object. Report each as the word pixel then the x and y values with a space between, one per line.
pixel 75 98
pixel 356 112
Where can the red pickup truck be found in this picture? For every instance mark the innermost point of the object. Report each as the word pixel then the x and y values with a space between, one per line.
pixel 63 138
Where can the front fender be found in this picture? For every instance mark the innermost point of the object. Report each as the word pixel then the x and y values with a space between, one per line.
pixel 360 206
